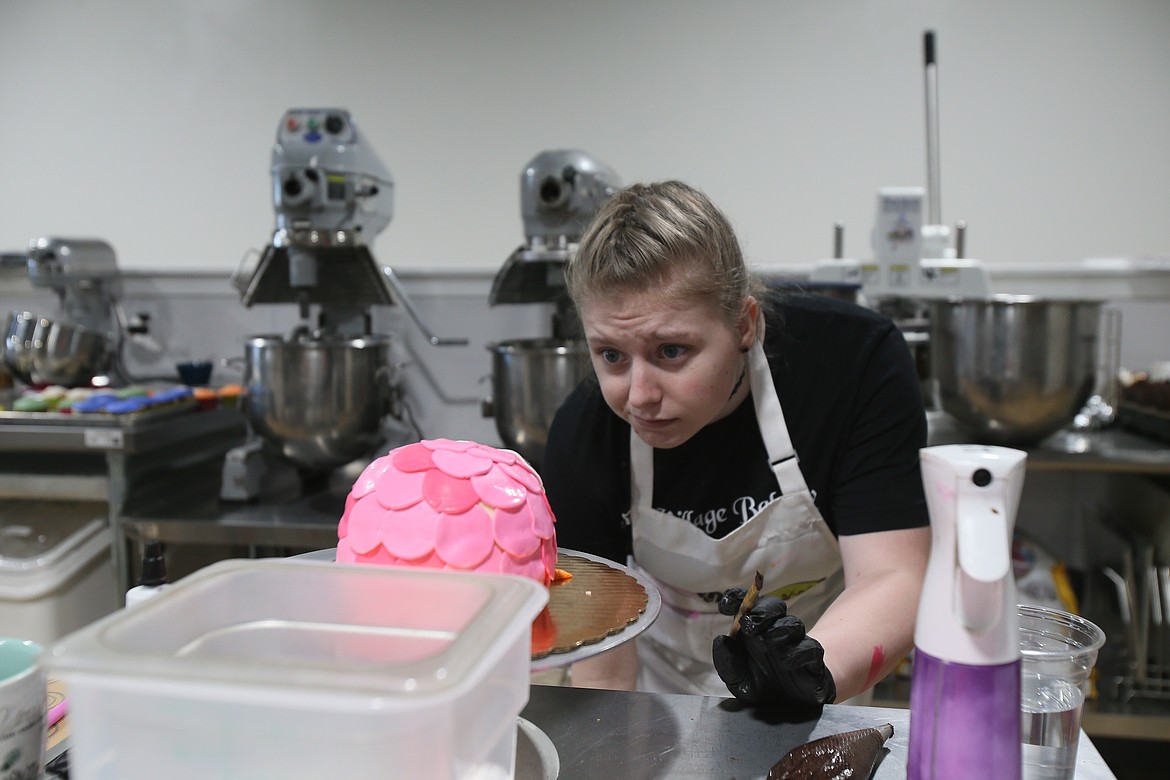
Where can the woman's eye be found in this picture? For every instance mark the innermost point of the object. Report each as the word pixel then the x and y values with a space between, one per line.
pixel 610 355
pixel 673 351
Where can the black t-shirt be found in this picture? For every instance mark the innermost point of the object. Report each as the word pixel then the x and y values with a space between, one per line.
pixel 853 405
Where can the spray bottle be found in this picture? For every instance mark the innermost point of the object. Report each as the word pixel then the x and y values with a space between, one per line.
pixel 965 689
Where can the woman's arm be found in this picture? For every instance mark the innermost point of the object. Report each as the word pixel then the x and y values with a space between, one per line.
pixel 869 628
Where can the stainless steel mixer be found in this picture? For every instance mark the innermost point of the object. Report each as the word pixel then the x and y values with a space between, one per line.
pixel 560 191
pixel 81 341
pixel 318 395
pixel 1008 369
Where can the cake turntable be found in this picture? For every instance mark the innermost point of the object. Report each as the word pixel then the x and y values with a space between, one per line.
pixel 603 605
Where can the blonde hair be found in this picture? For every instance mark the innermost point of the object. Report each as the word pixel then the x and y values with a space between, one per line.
pixel 644 234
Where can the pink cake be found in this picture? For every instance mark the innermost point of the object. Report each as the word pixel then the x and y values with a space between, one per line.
pixel 446 504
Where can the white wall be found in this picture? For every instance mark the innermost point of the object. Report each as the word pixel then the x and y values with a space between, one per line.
pixel 150 123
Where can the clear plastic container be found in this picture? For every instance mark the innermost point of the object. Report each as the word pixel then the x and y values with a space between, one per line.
pixel 298 668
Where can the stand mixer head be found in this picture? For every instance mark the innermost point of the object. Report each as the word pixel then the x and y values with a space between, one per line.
pixel 83 272
pixel 332 196
pixel 560 191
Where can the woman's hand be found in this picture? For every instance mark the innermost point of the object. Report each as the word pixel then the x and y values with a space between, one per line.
pixel 771 660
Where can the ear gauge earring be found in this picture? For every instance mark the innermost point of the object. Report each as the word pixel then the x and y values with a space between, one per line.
pixel 744 350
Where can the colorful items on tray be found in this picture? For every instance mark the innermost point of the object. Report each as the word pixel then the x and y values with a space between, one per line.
pixel 450 505
pixel 89 400
pixel 125 400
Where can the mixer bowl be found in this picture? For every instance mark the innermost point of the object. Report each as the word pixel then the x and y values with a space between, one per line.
pixel 41 351
pixel 321 401
pixel 530 379
pixel 1013 370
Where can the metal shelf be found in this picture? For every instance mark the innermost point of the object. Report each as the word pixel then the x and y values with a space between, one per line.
pixel 126 461
pixel 1109 450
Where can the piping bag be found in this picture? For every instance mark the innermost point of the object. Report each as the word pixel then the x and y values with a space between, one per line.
pixel 851 754
pixel 965 687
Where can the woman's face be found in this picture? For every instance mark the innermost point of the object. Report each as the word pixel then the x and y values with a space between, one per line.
pixel 667 365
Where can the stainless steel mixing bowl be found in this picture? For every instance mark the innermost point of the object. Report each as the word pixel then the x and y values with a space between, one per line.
pixel 1013 369
pixel 42 351
pixel 320 400
pixel 530 379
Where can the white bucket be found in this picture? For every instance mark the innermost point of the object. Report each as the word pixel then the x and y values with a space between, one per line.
pixel 56 575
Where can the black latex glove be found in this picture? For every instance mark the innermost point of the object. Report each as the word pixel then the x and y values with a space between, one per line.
pixel 771 660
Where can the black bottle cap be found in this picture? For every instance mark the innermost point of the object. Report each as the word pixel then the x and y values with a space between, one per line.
pixel 154 564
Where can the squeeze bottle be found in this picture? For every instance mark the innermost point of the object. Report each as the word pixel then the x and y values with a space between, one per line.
pixel 153 579
pixel 965 688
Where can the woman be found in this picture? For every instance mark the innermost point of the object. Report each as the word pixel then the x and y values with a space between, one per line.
pixel 722 437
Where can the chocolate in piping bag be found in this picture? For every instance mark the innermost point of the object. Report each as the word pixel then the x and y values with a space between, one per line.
pixel 851 754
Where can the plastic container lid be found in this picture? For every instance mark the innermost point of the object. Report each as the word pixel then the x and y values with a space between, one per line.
pixel 395 636
pixel 36 557
pixel 37 542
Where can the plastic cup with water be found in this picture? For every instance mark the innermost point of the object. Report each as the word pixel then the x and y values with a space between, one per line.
pixel 1057 653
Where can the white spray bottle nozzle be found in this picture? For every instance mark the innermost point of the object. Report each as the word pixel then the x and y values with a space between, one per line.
pixel 983 530
pixel 983 537
pixel 966 614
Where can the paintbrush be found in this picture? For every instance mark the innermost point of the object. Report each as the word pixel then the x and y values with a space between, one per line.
pixel 749 600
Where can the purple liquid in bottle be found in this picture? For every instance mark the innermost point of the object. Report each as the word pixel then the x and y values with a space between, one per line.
pixel 964 721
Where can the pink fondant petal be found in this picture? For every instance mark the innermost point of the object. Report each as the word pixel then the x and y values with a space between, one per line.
pixel 461 465
pixel 464 540
pixel 543 522
pixel 412 457
pixel 531 566
pixel 548 552
pixel 367 481
pixel 494 454
pixel 400 489
pixel 379 557
pixel 364 526
pixel 498 490
pixel 447 444
pixel 496 562
pixel 447 494
pixel 410 533
pixel 432 561
pixel 343 523
pixel 523 474
pixel 512 530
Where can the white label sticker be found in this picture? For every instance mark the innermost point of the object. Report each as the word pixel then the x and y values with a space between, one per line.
pixel 103 438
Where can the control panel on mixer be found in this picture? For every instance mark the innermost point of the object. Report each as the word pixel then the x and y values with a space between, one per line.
pixel 314 125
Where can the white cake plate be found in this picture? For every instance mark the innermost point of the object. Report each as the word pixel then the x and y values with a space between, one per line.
pixel 559 659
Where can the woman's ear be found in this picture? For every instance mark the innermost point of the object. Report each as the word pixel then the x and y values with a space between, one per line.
pixel 749 315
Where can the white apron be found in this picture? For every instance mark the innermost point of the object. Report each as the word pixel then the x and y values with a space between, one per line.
pixel 787 541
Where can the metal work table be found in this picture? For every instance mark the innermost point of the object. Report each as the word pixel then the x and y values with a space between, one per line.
pixel 643 735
